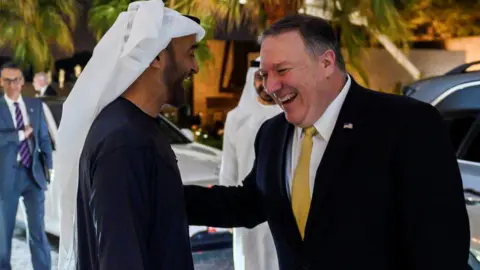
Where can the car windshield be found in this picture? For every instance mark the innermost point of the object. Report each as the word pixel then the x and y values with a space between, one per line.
pixel 174 135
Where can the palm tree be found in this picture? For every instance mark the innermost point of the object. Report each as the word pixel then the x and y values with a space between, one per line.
pixel 32 27
pixel 361 22
pixel 442 19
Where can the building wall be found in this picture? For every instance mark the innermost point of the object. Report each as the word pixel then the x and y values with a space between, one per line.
pixel 384 73
pixel 206 82
pixel 471 46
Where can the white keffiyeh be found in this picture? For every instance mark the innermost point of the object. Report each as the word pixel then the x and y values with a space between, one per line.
pixel 121 56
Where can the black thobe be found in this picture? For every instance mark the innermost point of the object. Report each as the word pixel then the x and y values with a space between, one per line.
pixel 130 203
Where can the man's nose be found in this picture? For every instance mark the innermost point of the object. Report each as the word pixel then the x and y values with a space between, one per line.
pixel 195 67
pixel 272 84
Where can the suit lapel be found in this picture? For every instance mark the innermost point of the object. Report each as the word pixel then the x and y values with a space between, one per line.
pixel 5 114
pixel 31 111
pixel 338 149
pixel 29 105
pixel 285 132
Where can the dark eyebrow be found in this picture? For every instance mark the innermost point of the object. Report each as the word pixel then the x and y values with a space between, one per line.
pixel 281 64
pixel 276 66
pixel 194 47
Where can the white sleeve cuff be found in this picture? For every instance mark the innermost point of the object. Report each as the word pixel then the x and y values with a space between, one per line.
pixel 21 135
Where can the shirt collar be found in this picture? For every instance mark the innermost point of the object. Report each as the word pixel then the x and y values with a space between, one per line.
pixel 326 123
pixel 42 91
pixel 11 102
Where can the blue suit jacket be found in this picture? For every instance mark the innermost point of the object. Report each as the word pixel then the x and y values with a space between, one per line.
pixel 9 143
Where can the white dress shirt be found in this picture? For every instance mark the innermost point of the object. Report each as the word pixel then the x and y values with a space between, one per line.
pixel 41 93
pixel 26 119
pixel 324 127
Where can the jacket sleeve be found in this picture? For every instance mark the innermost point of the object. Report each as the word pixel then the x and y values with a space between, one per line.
pixel 120 188
pixel 8 136
pixel 434 225
pixel 229 167
pixel 44 141
pixel 221 206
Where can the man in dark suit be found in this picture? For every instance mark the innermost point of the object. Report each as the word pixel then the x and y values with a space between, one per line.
pixel 42 87
pixel 347 178
pixel 25 151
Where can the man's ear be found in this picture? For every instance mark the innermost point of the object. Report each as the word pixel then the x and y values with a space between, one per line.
pixel 160 60
pixel 328 62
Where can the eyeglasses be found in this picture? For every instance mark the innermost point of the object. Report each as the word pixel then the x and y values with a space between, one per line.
pixel 15 81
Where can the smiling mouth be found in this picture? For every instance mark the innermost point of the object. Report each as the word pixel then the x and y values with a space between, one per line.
pixel 287 98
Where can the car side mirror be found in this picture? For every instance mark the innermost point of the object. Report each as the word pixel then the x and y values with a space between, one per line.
pixel 188 133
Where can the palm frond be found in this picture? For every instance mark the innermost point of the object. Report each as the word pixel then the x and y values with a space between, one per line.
pixel 30 27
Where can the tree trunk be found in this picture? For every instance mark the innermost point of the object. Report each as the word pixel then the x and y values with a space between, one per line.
pixel 398 55
pixel 394 51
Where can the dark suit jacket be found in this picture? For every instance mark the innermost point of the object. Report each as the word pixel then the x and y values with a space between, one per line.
pixel 9 143
pixel 387 195
pixel 50 92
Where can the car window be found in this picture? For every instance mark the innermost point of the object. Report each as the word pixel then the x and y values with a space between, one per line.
pixel 472 153
pixel 55 107
pixel 466 99
pixel 458 124
pixel 174 135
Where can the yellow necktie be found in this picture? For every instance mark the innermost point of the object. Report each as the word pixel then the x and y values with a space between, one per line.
pixel 301 181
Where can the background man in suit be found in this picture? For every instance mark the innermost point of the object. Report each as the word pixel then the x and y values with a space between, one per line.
pixel 253 249
pixel 25 150
pixel 42 87
pixel 347 178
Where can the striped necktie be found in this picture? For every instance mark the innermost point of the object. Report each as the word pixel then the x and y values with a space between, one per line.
pixel 24 151
pixel 301 181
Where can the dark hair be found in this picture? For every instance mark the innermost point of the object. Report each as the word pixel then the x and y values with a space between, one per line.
pixel 193 18
pixel 10 65
pixel 318 35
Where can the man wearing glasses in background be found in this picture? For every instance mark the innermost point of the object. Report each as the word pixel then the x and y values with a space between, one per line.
pixel 25 150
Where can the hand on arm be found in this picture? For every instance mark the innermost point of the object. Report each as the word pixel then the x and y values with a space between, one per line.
pixel 221 206
pixel 44 141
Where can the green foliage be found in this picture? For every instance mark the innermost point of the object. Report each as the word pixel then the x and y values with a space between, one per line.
pixel 379 16
pixel 442 19
pixel 32 27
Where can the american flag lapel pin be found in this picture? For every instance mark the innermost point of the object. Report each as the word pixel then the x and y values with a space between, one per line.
pixel 348 126
pixel 31 109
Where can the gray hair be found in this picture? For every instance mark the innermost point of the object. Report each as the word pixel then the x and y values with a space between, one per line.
pixel 42 76
pixel 317 34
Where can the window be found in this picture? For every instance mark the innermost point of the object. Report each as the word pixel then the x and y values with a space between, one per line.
pixel 173 134
pixel 472 152
pixel 464 99
pixel 458 125
pixel 460 110
pixel 56 107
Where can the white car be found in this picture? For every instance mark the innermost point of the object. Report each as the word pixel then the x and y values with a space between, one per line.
pixel 199 164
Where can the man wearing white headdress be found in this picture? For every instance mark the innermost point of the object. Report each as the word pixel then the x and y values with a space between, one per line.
pixel 253 248
pixel 129 212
